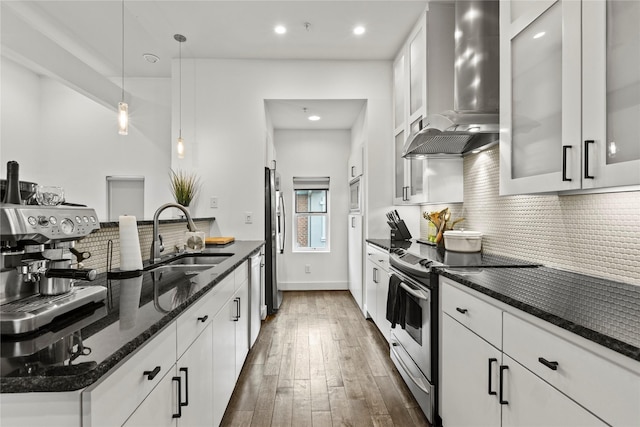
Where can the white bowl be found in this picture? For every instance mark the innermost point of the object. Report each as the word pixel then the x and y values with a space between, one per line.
pixel 463 241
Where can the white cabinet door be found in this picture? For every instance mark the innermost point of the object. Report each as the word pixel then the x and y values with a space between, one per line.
pixel 371 289
pixel 540 117
pixel 611 93
pixel 255 284
pixel 224 361
pixel 242 327
pixel 356 162
pixel 470 381
pixel 382 288
pixel 534 402
pixel 355 247
pixel 195 368
pixel 160 406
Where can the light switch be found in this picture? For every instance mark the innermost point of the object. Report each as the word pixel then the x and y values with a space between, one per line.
pixel 248 217
pixel 213 202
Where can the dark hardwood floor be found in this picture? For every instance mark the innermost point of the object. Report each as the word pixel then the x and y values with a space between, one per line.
pixel 318 362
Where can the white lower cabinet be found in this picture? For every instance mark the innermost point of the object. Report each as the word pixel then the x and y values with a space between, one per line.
pixel 377 287
pixel 183 396
pixel 498 369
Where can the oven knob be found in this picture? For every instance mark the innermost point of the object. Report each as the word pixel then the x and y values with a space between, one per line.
pixel 43 221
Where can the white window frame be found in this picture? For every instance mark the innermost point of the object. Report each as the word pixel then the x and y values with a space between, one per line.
pixel 296 215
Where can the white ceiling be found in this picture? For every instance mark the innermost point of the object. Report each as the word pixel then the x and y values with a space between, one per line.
pixel 334 114
pixel 86 35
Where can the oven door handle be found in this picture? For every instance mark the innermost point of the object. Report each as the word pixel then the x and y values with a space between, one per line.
pixel 407 370
pixel 417 294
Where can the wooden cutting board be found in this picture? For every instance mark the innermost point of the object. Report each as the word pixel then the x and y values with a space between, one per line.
pixel 218 240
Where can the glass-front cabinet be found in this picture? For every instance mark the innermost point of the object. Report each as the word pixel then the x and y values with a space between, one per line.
pixel 570 89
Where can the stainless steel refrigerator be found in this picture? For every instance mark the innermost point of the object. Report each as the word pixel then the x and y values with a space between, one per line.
pixel 274 234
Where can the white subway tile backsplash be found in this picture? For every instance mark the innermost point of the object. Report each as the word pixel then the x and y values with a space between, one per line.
pixel 96 243
pixel 594 234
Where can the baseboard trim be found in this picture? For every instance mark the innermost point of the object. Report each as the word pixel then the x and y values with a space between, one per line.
pixel 313 286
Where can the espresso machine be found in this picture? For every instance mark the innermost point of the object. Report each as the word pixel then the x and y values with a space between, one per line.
pixel 39 266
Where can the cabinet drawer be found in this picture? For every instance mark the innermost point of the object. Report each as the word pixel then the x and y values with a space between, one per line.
pixel 221 293
pixel 241 274
pixel 111 401
pixel 193 321
pixel 482 318
pixel 606 389
pixel 378 257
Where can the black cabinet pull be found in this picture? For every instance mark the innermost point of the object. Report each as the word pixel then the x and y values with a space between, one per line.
pixel 586 158
pixel 491 361
pixel 186 387
pixel 152 374
pixel 179 381
pixel 375 275
pixel 353 171
pixel 564 162
pixel 461 310
pixel 203 318
pixel 551 365
pixel 502 369
pixel 237 316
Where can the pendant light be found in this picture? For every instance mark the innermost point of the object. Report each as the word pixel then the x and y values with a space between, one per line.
pixel 123 108
pixel 180 144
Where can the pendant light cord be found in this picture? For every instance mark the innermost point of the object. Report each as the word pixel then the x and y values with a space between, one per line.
pixel 180 84
pixel 122 50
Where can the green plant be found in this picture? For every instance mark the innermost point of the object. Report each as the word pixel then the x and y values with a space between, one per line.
pixel 184 186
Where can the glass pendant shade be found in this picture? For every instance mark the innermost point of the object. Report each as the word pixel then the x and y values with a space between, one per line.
pixel 123 118
pixel 180 148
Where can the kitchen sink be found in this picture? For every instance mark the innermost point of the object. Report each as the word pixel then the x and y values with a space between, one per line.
pixel 188 269
pixel 200 259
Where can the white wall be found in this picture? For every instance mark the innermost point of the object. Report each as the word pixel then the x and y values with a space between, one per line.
pixel 315 153
pixel 224 119
pixel 60 137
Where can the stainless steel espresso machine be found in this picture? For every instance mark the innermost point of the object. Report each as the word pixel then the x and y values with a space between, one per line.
pixel 39 266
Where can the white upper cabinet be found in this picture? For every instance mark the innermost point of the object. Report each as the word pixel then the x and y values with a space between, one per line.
pixel 611 93
pixel 423 86
pixel 356 162
pixel 569 90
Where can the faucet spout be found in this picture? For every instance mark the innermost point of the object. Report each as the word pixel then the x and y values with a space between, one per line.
pixel 155 244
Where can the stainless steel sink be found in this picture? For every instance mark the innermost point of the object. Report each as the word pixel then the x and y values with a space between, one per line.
pixel 200 259
pixel 187 269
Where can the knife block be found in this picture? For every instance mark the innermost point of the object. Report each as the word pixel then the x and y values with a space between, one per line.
pixel 401 232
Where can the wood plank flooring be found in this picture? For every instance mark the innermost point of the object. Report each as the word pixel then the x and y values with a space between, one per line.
pixel 318 363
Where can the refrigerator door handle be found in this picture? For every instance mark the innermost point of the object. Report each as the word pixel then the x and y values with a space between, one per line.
pixel 283 226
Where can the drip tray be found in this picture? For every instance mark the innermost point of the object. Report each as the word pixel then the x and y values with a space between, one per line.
pixel 34 312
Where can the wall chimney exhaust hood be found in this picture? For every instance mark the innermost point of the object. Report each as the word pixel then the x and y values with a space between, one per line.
pixel 474 122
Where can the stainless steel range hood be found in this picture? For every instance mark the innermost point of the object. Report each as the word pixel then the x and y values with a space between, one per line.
pixel 474 121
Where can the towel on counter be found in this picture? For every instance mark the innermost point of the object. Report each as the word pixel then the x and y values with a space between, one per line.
pixel 396 298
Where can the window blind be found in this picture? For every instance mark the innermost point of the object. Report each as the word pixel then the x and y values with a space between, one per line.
pixel 310 182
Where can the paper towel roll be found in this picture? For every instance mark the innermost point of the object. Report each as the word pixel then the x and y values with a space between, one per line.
pixel 130 255
pixel 130 290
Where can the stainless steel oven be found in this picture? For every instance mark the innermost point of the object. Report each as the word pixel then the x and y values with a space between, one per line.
pixel 411 338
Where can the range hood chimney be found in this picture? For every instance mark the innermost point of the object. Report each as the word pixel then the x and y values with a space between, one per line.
pixel 474 120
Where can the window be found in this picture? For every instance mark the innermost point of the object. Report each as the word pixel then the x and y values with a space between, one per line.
pixel 311 219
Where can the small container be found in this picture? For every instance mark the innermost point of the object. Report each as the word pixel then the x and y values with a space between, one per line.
pixel 194 241
pixel 463 241
pixel 49 196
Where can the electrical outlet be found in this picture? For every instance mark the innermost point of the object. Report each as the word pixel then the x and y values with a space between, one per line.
pixel 213 202
pixel 248 217
pixel 307 268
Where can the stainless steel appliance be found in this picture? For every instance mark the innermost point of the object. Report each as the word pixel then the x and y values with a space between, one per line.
pixel 414 339
pixel 39 266
pixel 274 230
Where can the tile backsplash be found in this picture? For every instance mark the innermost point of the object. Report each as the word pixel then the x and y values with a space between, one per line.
pixel 96 243
pixel 593 234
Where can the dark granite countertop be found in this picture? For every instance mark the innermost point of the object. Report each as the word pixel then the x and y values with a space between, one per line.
pixel 600 310
pixel 109 224
pixel 73 354
pixel 381 243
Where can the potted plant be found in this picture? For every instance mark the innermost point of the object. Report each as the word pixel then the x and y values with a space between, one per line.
pixel 184 186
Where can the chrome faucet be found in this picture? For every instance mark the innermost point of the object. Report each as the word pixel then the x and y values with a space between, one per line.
pixel 156 243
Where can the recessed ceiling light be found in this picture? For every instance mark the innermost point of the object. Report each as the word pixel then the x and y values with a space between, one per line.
pixel 150 57
pixel 280 29
pixel 314 118
pixel 359 30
